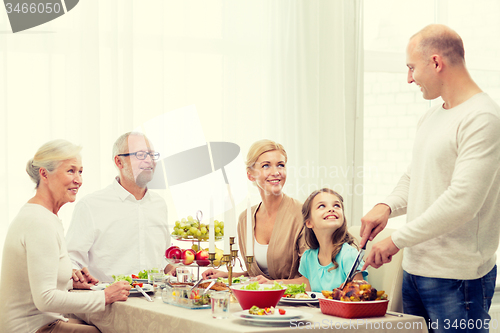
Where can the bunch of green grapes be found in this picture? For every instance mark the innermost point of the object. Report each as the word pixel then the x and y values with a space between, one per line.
pixel 191 229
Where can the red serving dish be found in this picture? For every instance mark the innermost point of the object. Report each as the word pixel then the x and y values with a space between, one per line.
pixel 353 309
pixel 260 298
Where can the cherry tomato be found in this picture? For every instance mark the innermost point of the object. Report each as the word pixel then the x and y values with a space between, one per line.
pixel 282 311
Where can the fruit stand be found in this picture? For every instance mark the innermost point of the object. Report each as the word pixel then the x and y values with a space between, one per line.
pixel 193 231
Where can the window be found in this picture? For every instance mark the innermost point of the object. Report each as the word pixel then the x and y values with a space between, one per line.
pixel 392 107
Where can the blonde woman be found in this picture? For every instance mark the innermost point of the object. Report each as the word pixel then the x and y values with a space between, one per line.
pixel 36 269
pixel 277 219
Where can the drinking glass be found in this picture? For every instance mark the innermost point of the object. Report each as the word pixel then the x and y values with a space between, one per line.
pixel 156 280
pixel 220 304
pixel 153 271
pixel 183 274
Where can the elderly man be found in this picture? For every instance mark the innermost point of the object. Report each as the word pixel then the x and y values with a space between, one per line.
pixel 121 229
pixel 451 193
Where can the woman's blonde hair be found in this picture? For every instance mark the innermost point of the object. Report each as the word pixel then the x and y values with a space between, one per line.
pixel 260 147
pixel 49 156
pixel 339 237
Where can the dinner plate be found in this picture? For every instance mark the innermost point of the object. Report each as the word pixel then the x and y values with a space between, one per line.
pixel 146 287
pixel 290 314
pixel 140 280
pixel 274 318
pixel 302 300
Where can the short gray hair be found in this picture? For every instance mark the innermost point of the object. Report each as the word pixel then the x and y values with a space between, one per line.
pixel 121 144
pixel 49 156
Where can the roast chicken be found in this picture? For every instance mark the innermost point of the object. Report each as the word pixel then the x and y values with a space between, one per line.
pixel 355 291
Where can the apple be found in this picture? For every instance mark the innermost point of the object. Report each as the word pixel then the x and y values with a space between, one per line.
pixel 202 258
pixel 188 256
pixel 175 255
pixel 168 250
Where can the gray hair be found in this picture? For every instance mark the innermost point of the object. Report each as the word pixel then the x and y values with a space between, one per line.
pixel 121 144
pixel 49 156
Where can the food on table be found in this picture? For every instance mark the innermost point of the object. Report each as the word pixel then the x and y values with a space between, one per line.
pixel 218 256
pixel 199 297
pixel 296 291
pixel 122 278
pixel 355 291
pixel 182 283
pixel 188 256
pixel 255 310
pixel 202 258
pixel 255 286
pixel 186 296
pixel 174 253
pixel 251 286
pixel 191 229
pixel 218 286
pixel 142 275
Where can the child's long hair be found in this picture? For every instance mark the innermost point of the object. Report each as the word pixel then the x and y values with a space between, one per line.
pixel 339 237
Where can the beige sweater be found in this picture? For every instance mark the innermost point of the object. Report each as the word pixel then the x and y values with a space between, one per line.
pixel 287 240
pixel 451 193
pixel 36 274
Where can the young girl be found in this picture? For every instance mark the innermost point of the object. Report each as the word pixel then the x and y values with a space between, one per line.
pixel 331 248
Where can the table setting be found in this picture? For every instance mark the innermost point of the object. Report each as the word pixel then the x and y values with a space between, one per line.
pixel 181 307
pixel 187 303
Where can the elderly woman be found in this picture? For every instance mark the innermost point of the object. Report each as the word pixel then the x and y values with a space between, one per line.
pixel 277 220
pixel 36 269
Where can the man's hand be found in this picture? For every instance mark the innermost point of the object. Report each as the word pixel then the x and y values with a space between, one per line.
pixel 374 222
pixel 82 279
pixel 118 291
pixel 381 253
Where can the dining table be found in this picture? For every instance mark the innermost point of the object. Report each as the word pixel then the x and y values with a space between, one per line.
pixel 137 315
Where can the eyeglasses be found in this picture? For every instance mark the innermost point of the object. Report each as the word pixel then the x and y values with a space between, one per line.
pixel 141 155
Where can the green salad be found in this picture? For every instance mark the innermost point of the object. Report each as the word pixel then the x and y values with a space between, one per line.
pixel 122 278
pixel 255 286
pixel 294 289
pixel 143 275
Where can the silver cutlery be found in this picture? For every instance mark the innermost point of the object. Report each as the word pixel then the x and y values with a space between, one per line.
pixel 144 293
pixel 209 286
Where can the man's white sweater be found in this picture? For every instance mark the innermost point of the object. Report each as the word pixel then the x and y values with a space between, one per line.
pixel 451 193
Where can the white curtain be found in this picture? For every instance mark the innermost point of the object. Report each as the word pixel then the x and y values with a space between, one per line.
pixel 290 71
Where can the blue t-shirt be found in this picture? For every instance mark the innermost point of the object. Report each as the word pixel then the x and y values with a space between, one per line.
pixel 318 275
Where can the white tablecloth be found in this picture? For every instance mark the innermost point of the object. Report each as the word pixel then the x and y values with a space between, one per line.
pixel 137 315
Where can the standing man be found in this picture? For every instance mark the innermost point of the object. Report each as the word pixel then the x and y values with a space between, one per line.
pixel 121 229
pixel 450 193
